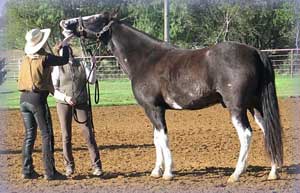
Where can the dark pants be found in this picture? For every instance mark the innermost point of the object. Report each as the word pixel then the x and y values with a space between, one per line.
pixel 65 116
pixel 37 116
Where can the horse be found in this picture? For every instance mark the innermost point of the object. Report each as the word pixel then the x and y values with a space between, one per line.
pixel 165 77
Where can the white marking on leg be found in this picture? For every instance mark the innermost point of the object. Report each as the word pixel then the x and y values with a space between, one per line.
pixel 273 174
pixel 259 123
pixel 167 157
pixel 245 140
pixel 157 171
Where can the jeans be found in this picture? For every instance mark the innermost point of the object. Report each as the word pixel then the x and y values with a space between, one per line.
pixel 65 116
pixel 37 116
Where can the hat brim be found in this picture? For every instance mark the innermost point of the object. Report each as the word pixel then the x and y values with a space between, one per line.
pixel 29 49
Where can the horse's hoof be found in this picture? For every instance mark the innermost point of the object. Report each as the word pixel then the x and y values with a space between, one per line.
pixel 232 179
pixel 168 177
pixel 156 173
pixel 273 176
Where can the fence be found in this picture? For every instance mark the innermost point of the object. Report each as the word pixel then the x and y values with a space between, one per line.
pixel 107 68
pixel 285 62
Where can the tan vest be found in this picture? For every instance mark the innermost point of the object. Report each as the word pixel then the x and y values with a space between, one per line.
pixel 33 76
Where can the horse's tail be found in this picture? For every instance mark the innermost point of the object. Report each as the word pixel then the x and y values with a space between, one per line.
pixel 269 103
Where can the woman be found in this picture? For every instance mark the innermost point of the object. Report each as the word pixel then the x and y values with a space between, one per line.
pixel 72 100
pixel 35 84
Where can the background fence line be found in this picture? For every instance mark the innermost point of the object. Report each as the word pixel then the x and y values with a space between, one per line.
pixel 285 62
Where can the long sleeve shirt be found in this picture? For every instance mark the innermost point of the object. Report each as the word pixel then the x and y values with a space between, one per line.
pixel 37 98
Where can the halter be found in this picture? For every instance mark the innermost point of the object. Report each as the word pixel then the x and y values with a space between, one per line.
pixel 98 35
pixel 82 29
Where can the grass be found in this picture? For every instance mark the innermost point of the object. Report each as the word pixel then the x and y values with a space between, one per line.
pixel 118 92
pixel 114 92
pixel 287 86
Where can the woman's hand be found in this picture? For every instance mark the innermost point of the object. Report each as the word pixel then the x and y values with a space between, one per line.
pixel 65 42
pixel 70 100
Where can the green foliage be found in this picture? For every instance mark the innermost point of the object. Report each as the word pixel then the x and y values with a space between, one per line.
pixel 260 26
pixel 180 23
pixel 263 24
pixel 147 16
pixel 23 15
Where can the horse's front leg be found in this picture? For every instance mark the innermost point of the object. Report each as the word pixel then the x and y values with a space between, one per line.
pixel 158 169
pixel 163 153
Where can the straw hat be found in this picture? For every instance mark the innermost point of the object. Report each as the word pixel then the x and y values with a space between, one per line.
pixel 36 39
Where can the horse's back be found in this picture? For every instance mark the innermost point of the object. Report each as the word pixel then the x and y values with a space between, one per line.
pixel 195 79
pixel 226 72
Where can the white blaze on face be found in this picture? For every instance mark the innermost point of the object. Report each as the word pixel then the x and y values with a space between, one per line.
pixel 66 32
pixel 75 19
pixel 91 16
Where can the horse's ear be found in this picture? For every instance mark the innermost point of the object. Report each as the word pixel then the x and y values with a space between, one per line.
pixel 115 12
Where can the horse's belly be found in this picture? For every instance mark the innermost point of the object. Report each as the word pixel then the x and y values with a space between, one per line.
pixel 189 102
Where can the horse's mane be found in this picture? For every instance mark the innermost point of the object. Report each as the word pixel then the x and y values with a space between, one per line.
pixel 146 37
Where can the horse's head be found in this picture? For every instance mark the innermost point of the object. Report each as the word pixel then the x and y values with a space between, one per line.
pixel 92 27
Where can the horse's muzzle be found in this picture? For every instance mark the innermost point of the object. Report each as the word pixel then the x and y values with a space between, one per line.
pixel 64 25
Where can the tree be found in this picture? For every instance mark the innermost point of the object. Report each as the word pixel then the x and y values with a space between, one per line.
pixel 180 24
pixel 23 15
pixel 147 16
pixel 260 23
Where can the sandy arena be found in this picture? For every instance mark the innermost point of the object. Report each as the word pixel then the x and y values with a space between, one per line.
pixel 204 144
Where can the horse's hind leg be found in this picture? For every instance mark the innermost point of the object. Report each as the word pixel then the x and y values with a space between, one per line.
pixel 258 118
pixel 241 124
pixel 163 153
pixel 256 112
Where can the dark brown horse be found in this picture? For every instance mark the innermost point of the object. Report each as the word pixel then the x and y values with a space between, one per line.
pixel 164 77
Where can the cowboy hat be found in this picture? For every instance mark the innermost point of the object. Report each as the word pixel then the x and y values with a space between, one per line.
pixel 36 39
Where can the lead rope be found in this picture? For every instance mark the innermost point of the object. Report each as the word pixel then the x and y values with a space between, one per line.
pixel 96 94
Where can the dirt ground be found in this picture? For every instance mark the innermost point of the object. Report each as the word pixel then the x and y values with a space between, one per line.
pixel 204 144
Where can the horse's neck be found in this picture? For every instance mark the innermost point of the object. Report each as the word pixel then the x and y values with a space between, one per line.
pixel 131 48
